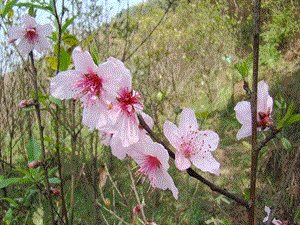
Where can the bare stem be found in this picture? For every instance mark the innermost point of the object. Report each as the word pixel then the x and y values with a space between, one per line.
pixel 254 157
pixel 41 129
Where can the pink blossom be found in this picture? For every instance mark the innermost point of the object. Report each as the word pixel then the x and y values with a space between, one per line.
pixel 31 35
pixel 152 160
pixel 191 144
pixel 95 86
pixel 119 150
pixel 264 109
pixel 123 112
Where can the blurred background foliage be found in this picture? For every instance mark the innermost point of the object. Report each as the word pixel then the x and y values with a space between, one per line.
pixel 189 53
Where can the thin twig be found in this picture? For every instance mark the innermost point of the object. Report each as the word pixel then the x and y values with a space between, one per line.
pixel 136 193
pixel 191 172
pixel 152 31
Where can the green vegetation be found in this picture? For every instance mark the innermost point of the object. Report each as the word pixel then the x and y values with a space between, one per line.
pixel 196 57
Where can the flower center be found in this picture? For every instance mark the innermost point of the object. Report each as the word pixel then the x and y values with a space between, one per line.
pixel 91 86
pixel 264 120
pixel 150 164
pixel 31 35
pixel 192 144
pixel 129 101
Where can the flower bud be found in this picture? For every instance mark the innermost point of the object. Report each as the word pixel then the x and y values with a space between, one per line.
pixel 136 210
pixel 35 164
pixel 107 202
pixel 55 191
pixel 26 103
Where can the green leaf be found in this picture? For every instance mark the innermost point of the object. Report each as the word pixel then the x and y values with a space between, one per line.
pixel 244 67
pixel 70 40
pixel 11 201
pixel 293 119
pixel 287 116
pixel 8 7
pixel 56 101
pixel 94 51
pixel 15 180
pixel 31 11
pixel 247 193
pixel 33 150
pixel 286 144
pixel 54 180
pixel 297 215
pixel 65 59
pixel 68 22
pixel 8 216
pixel 30 5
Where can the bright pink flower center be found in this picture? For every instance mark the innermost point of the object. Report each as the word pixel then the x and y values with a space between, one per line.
pixel 90 85
pixel 264 119
pixel 150 164
pixel 129 101
pixel 31 35
pixel 192 144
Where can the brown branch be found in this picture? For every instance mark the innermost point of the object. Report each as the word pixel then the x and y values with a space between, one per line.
pixel 191 172
pixel 254 156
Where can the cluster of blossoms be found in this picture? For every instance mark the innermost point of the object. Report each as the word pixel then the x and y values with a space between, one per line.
pixel 111 106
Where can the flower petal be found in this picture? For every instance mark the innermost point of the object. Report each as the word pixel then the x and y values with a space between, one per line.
pixel 262 96
pixel 95 116
pixel 127 130
pixel 63 85
pixel 181 162
pixel 206 162
pixel 83 61
pixel 15 32
pixel 29 21
pixel 211 139
pixel 172 134
pixel 117 148
pixel 243 112
pixel 25 47
pixel 188 121
pixel 244 131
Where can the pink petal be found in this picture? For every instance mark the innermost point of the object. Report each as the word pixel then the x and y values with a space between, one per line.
pixel 164 181
pixel 42 44
pixel 262 96
pixel 206 163
pixel 15 32
pixel 211 140
pixel 25 47
pixel 44 30
pixel 181 162
pixel 188 121
pixel 29 21
pixel 117 148
pixel 244 131
pixel 95 116
pixel 127 131
pixel 63 85
pixel 83 61
pixel 243 112
pixel 172 133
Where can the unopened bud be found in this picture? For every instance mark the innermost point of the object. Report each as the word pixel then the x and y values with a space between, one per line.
pixel 35 164
pixel 26 103
pixel 136 210
pixel 11 40
pixel 55 191
pixel 107 202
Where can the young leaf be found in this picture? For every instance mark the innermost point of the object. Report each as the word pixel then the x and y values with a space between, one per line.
pixel 54 180
pixel 11 201
pixel 8 7
pixel 33 150
pixel 68 22
pixel 287 116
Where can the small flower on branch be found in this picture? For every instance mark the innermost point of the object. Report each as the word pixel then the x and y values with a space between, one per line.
pixel 26 103
pixel 192 145
pixel 32 35
pixel 264 109
pixel 152 160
